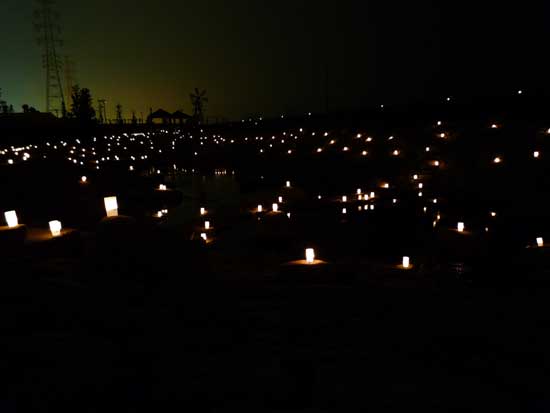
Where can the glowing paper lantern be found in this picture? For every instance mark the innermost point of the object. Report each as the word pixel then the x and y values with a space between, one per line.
pixel 203 211
pixel 460 227
pixel 162 187
pixel 406 262
pixel 344 199
pixel 280 200
pixel 540 242
pixel 260 208
pixel 497 160
pixel 359 192
pixel 83 179
pixel 111 206
pixel 55 228
pixel 288 184
pixel 310 255
pixel 204 237
pixel 207 225
pixel 11 219
pixel 344 211
pixel 275 207
pixel 536 154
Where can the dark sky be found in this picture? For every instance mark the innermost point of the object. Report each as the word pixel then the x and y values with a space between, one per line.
pixel 260 57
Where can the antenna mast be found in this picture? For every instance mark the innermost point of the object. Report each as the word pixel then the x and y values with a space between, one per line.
pixel 48 31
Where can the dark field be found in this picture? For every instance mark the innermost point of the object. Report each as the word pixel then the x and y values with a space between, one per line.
pixel 140 314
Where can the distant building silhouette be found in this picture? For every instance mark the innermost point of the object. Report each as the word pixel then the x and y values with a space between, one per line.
pixel 162 117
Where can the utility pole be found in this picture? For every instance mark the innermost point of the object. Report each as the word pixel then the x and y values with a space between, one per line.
pixel 48 32
pixel 102 111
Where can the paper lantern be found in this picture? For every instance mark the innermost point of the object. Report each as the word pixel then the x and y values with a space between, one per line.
pixel 162 187
pixel 406 262
pixel 207 225
pixel 11 219
pixel 280 200
pixel 536 154
pixel 460 227
pixel 260 208
pixel 203 211
pixel 204 237
pixel 344 211
pixel 111 206
pixel 288 184
pixel 275 207
pixel 359 192
pixel 540 242
pixel 83 179
pixel 55 228
pixel 344 199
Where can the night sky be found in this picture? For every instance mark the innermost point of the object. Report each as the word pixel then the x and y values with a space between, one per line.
pixel 259 57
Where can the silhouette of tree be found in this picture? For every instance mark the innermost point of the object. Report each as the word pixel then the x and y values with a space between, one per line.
pixel 81 107
pixel 198 100
pixel 134 118
pixel 11 109
pixel 25 108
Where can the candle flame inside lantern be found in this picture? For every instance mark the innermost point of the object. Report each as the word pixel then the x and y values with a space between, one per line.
pixel 111 206
pixel 540 242
pixel 310 255
pixel 406 262
pixel 460 227
pixel 55 228
pixel 11 219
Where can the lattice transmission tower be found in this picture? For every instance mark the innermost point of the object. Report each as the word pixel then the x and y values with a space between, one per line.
pixel 48 31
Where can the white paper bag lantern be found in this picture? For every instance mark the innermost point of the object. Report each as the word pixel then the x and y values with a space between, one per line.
pixel 275 207
pixel 207 225
pixel 540 242
pixel 260 208
pixel 460 227
pixel 203 211
pixel 111 206
pixel 406 262
pixel 55 228
pixel 310 255
pixel 11 219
